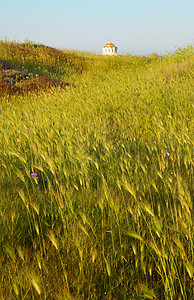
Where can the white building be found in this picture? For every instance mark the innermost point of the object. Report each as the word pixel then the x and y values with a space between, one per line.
pixel 109 49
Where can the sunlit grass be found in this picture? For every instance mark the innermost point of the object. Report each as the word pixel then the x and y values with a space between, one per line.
pixel 97 182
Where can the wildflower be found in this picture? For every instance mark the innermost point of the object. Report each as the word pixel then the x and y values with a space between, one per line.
pixel 37 171
pixel 154 142
pixel 146 143
pixel 56 174
pixel 167 154
pixel 33 175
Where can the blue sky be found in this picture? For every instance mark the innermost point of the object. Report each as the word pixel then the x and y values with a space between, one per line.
pixel 135 26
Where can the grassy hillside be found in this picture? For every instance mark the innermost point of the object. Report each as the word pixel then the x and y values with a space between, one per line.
pixel 39 59
pixel 96 179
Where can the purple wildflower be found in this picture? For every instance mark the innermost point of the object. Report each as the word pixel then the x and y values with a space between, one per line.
pixel 146 143
pixel 37 171
pixel 154 142
pixel 33 175
pixel 167 154
pixel 56 174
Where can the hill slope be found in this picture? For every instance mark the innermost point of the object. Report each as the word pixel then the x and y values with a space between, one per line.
pixel 25 67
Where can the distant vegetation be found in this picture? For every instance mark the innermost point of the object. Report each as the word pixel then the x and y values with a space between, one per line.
pixel 96 185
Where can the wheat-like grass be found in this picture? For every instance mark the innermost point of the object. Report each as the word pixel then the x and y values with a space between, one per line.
pixel 97 180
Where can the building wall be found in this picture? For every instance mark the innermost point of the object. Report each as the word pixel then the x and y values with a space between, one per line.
pixel 109 51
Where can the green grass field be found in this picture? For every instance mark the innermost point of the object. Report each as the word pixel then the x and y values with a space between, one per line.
pixel 96 185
